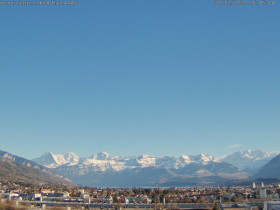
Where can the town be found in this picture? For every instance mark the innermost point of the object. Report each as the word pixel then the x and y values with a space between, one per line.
pixel 25 196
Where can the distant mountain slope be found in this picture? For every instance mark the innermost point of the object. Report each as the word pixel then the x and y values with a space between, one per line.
pixel 14 168
pixel 152 176
pixel 270 170
pixel 249 161
pixel 23 161
pixel 144 170
pixel 15 172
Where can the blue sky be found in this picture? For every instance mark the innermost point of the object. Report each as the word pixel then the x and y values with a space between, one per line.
pixel 160 77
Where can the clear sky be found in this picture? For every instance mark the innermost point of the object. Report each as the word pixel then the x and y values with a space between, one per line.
pixel 159 77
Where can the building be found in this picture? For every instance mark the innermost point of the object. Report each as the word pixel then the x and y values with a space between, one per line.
pixel 263 194
pixel 271 205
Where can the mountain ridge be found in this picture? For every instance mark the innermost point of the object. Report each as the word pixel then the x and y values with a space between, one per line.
pixel 104 160
pixel 250 160
pixel 103 170
pixel 17 169
pixel 270 170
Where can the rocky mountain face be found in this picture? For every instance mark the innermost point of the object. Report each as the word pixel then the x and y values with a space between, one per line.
pixel 18 169
pixel 270 170
pixel 249 161
pixel 144 170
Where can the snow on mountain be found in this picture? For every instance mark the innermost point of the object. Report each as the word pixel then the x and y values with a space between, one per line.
pixel 250 161
pixel 103 161
pixel 101 156
pixel 204 159
pixel 51 160
pixel 101 169
pixel 146 161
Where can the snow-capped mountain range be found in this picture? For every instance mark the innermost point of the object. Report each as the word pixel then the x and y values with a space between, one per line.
pixel 249 160
pixel 103 170
pixel 103 161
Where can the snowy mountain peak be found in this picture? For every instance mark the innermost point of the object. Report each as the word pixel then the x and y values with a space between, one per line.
pixel 146 161
pixel 185 159
pixel 51 160
pixel 48 155
pixel 48 159
pixel 102 161
pixel 253 154
pixel 203 159
pixel 101 156
pixel 71 159
pixel 71 154
pixel 249 160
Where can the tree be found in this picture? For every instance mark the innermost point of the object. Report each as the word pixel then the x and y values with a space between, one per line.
pixel 167 199
pixel 201 200
pixel 115 199
pixel 216 206
pixel 237 199
pixel 156 199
